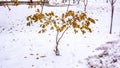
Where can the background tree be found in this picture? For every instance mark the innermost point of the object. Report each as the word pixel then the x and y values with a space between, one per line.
pixel 85 4
pixel 112 2
pixel 74 1
pixel 60 24
pixel 106 1
pixel 68 5
pixel 78 1
pixel 43 3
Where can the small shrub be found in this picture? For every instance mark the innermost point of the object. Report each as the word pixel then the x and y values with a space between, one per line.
pixel 76 20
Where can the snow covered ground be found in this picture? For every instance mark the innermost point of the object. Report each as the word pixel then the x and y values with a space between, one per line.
pixel 22 47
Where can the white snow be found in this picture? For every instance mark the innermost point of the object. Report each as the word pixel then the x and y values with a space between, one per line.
pixel 22 47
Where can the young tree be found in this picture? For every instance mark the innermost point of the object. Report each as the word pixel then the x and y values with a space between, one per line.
pixel 60 24
pixel 112 2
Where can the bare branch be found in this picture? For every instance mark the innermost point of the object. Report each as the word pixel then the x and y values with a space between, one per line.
pixel 85 2
pixel 112 1
pixel 57 37
pixel 63 33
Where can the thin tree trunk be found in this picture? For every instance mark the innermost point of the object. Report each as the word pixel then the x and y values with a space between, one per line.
pixel 68 5
pixel 73 1
pixel 85 4
pixel 106 1
pixel 112 2
pixel 78 1
pixel 112 12
pixel 42 5
pixel 85 8
pixel 56 50
pixel 57 53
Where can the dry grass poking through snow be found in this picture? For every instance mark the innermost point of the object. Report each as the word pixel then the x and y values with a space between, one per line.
pixel 109 58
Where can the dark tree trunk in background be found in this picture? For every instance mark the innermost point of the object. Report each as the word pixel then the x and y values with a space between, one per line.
pixel 106 1
pixel 73 1
pixel 85 4
pixel 112 2
pixel 78 1
pixel 43 3
pixel 68 5
pixel 112 12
